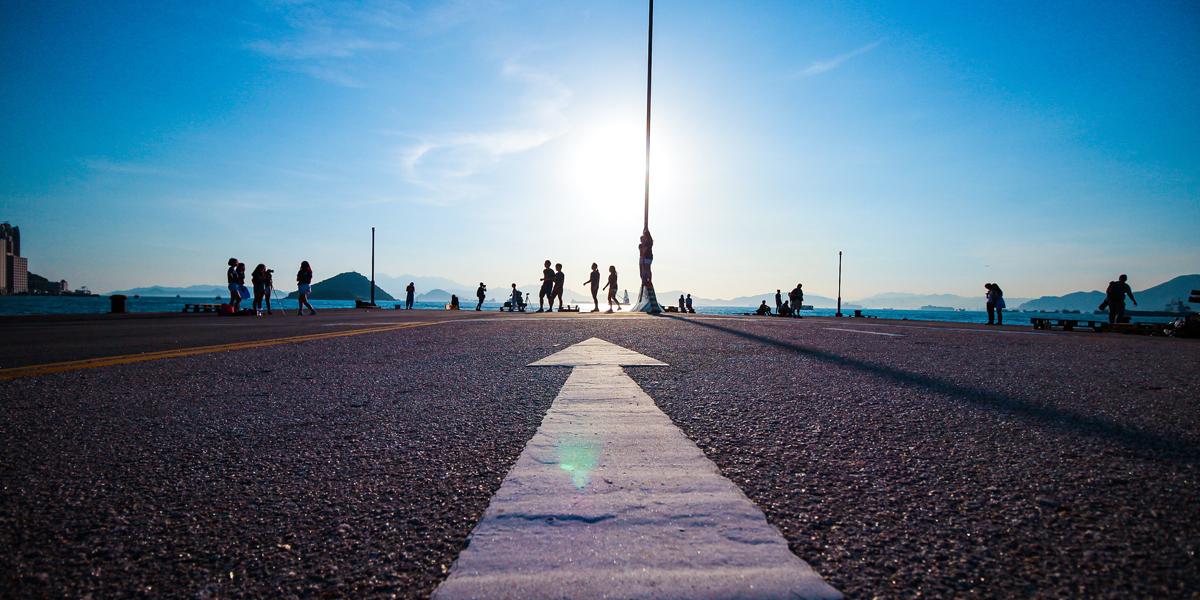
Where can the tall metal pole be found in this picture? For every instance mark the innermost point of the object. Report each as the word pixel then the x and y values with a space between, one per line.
pixel 649 67
pixel 839 308
pixel 372 266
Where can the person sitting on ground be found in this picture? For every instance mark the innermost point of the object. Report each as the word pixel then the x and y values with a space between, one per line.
pixel 453 302
pixel 785 310
pixel 763 309
pixel 688 303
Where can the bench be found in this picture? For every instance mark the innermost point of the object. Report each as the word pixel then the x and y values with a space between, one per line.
pixel 196 308
pixel 1048 323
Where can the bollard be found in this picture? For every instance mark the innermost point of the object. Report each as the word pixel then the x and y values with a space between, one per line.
pixel 118 303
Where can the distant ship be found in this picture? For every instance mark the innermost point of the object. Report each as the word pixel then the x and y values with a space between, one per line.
pixel 932 307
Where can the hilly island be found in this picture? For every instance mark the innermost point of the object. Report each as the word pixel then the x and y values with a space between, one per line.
pixel 344 286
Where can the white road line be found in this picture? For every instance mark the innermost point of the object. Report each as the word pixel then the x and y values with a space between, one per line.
pixel 610 499
pixel 866 332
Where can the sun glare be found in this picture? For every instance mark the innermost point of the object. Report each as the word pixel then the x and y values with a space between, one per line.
pixel 605 170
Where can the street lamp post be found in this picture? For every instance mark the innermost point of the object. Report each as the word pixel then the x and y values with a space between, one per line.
pixel 839 307
pixel 647 301
pixel 372 266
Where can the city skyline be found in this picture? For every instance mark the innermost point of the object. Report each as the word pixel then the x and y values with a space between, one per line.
pixel 1049 148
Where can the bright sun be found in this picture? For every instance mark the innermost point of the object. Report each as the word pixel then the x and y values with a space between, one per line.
pixel 605 169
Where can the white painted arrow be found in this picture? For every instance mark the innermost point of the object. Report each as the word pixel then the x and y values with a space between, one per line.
pixel 610 499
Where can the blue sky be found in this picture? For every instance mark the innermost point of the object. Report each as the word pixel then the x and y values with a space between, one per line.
pixel 940 145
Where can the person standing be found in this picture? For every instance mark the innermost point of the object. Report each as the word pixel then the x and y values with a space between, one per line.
pixel 304 288
pixel 1114 297
pixel 991 304
pixel 797 298
pixel 243 293
pixel 778 302
pixel 547 289
pixel 408 295
pixel 688 303
pixel 594 282
pixel 231 277
pixel 258 278
pixel 270 287
pixel 998 301
pixel 682 304
pixel 611 286
pixel 480 293
pixel 515 303
pixel 560 281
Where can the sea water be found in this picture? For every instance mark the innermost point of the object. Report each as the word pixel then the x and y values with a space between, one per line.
pixel 40 305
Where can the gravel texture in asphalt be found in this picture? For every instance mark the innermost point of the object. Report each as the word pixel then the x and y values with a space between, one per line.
pixel 942 463
pixel 347 467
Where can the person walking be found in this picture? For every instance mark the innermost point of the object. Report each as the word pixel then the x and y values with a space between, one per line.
pixel 480 293
pixel 408 295
pixel 304 288
pixel 258 279
pixel 594 282
pixel 1114 299
pixel 547 289
pixel 778 302
pixel 231 277
pixel 611 286
pixel 560 281
pixel 688 303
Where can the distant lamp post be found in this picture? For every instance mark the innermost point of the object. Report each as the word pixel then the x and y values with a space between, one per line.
pixel 647 301
pixel 839 308
pixel 372 266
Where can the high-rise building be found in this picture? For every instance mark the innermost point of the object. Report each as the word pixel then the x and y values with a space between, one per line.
pixel 15 268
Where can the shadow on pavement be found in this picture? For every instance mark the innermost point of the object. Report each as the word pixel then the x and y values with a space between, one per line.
pixel 1175 449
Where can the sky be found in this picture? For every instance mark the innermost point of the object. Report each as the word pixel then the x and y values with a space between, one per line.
pixel 1044 146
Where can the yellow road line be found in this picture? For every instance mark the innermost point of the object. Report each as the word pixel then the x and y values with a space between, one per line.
pixel 124 359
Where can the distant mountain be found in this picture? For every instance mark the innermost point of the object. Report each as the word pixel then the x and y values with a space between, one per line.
pixel 345 286
pixel 906 301
pixel 426 284
pixel 671 297
pixel 1152 298
pixel 436 295
pixel 191 291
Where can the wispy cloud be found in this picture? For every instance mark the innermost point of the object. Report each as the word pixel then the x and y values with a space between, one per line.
pixel 824 66
pixel 104 165
pixel 443 163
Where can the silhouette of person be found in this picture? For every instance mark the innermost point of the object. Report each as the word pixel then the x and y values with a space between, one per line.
pixel 270 288
pixel 688 303
pixel 796 296
pixel 626 300
pixel 480 293
pixel 235 297
pixel 454 302
pixel 303 288
pixel 243 293
pixel 763 309
pixel 682 304
pixel 778 301
pixel 611 286
pixel 1114 298
pixel 991 303
pixel 515 302
pixel 409 291
pixel 645 258
pixel 785 310
pixel 258 279
pixel 594 282
pixel 560 279
pixel 998 299
pixel 547 287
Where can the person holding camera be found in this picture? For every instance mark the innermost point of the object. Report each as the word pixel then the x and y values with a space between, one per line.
pixel 260 279
pixel 480 293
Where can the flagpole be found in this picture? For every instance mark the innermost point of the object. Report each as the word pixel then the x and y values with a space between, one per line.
pixel 649 70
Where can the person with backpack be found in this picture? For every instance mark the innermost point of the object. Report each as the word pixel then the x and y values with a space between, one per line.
pixel 304 288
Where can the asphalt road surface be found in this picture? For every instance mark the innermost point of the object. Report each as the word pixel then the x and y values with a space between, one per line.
pixel 936 460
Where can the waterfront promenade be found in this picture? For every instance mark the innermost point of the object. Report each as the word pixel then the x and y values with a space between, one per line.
pixel 353 453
